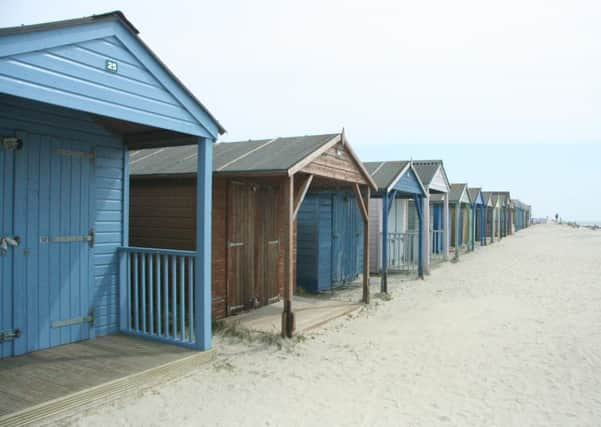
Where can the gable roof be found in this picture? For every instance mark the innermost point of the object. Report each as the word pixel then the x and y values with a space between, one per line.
pixel 427 170
pixel 282 155
pixel 459 193
pixel 476 193
pixel 489 199
pixel 387 173
pixel 37 64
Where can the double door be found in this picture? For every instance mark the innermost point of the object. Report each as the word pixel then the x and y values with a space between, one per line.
pixel 46 237
pixel 252 245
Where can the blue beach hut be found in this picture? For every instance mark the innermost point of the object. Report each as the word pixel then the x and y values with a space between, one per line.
pixel 75 96
pixel 397 182
pixel 478 217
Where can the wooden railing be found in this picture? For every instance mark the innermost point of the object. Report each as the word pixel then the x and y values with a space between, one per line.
pixel 402 251
pixel 159 294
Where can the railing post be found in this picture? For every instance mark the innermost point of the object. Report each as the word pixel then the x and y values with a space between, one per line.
pixel 124 296
pixel 202 270
pixel 384 273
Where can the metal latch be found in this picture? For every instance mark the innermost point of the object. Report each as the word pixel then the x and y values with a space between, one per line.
pixel 273 242
pixel 6 241
pixel 9 335
pixel 71 239
pixel 235 244
pixel 12 143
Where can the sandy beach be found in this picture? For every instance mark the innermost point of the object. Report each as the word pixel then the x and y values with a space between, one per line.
pixel 510 335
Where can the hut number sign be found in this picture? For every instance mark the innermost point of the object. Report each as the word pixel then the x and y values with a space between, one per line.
pixel 111 66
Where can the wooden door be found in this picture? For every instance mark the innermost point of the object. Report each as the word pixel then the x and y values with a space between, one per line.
pixel 267 245
pixel 241 246
pixel 7 315
pixel 53 215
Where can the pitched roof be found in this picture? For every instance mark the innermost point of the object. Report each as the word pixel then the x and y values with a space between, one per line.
pixel 20 31
pixel 456 192
pixel 385 173
pixel 474 192
pixel 263 155
pixel 426 169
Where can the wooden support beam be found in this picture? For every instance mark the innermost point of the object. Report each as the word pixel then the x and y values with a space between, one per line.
pixel 288 323
pixel 302 192
pixel 362 203
pixel 366 246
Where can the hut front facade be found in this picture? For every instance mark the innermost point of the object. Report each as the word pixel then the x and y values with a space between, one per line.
pixel 436 217
pixel 461 217
pixel 329 240
pixel 478 216
pixel 396 245
pixel 259 188
pixel 75 96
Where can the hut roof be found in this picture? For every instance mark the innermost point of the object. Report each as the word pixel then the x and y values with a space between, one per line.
pixel 474 192
pixel 22 40
pixel 386 173
pixel 427 171
pixel 262 155
pixel 275 155
pixel 457 191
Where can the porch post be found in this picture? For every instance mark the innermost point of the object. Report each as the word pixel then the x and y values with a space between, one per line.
pixel 482 225
pixel 366 290
pixel 446 229
pixel 123 256
pixel 202 264
pixel 384 277
pixel 419 205
pixel 457 222
pixel 473 227
pixel 427 226
pixel 288 321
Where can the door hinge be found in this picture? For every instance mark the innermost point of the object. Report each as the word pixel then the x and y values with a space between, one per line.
pixel 235 244
pixel 9 335
pixel 12 143
pixel 76 153
pixel 76 321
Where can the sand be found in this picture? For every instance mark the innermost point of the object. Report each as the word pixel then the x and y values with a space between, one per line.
pixel 510 335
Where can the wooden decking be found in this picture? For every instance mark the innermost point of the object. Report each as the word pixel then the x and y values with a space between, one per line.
pixel 310 313
pixel 47 383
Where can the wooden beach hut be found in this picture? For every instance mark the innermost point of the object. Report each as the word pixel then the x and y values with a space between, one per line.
pixel 75 96
pixel 504 212
pixel 259 187
pixel 461 217
pixel 396 246
pixel 478 216
pixel 436 219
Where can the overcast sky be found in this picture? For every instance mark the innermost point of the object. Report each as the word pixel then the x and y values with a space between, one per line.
pixel 508 93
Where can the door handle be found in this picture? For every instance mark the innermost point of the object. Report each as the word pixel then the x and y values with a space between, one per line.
pixel 7 241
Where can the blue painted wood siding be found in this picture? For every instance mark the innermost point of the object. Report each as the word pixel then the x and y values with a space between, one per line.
pixel 107 193
pixel 68 67
pixel 409 183
pixel 329 241
pixel 314 270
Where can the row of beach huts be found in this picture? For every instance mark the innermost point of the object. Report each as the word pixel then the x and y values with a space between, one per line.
pixel 120 212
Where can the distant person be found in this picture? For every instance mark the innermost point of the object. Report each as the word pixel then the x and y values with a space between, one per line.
pixel 556 217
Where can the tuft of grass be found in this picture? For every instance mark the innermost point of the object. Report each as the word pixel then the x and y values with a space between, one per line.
pixel 234 330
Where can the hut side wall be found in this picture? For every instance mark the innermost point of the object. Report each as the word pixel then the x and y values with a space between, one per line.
pixel 163 213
